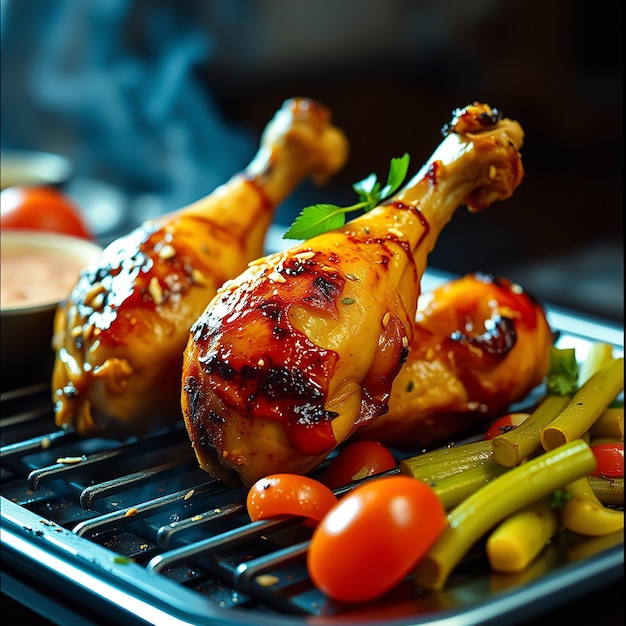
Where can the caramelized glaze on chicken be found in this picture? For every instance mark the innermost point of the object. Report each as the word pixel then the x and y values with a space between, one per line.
pixel 479 344
pixel 300 350
pixel 119 338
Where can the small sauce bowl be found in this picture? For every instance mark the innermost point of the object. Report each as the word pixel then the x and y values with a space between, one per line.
pixel 26 168
pixel 37 272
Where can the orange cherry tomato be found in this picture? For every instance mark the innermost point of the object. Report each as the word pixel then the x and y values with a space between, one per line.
pixel 504 424
pixel 289 494
pixel 373 538
pixel 42 208
pixel 609 459
pixel 357 460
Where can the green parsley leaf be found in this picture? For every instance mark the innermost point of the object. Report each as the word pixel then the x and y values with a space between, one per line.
pixel 398 171
pixel 320 218
pixel 562 378
pixel 558 498
pixel 315 219
pixel 367 188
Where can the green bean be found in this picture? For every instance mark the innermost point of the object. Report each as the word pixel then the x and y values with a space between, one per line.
pixel 610 423
pixel 609 491
pixel 599 353
pixel 588 403
pixel 584 514
pixel 600 441
pixel 517 444
pixel 452 490
pixel 499 498
pixel 517 541
pixel 433 466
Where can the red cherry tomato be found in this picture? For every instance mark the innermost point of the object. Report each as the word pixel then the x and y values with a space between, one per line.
pixel 357 460
pixel 42 208
pixel 289 494
pixel 609 459
pixel 374 537
pixel 504 424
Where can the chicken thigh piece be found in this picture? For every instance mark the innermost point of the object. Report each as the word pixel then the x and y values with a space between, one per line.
pixel 120 336
pixel 300 350
pixel 480 344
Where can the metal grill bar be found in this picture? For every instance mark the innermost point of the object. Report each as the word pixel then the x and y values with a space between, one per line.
pixel 177 530
pixel 136 511
pixel 49 441
pixel 252 569
pixel 129 453
pixel 110 487
pixel 221 542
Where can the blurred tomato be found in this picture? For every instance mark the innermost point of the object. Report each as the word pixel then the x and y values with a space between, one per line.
pixel 609 459
pixel 289 494
pixel 374 537
pixel 357 460
pixel 42 208
pixel 505 423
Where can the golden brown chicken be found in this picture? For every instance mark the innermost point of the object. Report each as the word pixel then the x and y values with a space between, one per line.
pixel 479 344
pixel 119 338
pixel 300 351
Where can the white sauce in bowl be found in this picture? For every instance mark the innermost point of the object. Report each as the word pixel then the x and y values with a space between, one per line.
pixel 40 269
pixel 31 277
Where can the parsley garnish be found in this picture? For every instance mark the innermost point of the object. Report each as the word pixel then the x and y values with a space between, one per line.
pixel 320 218
pixel 558 498
pixel 562 378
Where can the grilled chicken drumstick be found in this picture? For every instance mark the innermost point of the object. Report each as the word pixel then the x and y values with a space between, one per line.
pixel 299 351
pixel 479 344
pixel 119 338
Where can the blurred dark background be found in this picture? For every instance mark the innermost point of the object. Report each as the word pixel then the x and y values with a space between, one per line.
pixel 157 102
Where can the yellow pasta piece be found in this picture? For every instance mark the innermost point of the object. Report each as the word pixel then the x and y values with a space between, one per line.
pixel 517 541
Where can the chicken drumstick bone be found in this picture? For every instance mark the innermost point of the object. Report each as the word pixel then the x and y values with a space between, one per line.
pixel 119 338
pixel 300 350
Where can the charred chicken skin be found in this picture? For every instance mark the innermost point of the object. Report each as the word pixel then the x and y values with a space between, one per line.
pixel 120 336
pixel 480 344
pixel 300 350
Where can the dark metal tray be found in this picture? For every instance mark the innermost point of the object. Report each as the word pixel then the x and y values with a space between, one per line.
pixel 188 554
